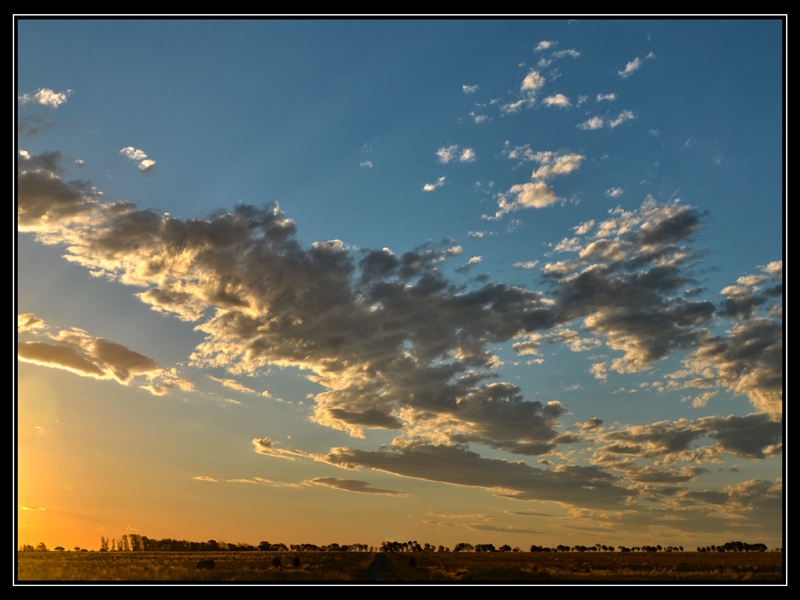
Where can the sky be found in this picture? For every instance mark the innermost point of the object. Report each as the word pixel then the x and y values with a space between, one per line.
pixel 488 281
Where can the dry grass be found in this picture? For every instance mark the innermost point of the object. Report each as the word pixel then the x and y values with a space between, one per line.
pixel 447 567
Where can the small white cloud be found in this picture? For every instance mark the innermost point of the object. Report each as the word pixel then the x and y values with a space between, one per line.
pixel 145 164
pixel 633 66
pixel 478 118
pixel 544 62
pixel 467 155
pixel 544 45
pixel 476 234
pixel 533 81
pixel 609 97
pixel 559 100
pixel 429 187
pixel 593 123
pixel 581 100
pixel 469 89
pixel 531 264
pixel 614 192
pixel 446 154
pixel 46 97
pixel 512 107
pixel 562 53
pixel 367 164
pixel 79 162
pixel 625 115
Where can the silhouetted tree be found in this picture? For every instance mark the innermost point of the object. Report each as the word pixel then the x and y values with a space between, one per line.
pixel 41 547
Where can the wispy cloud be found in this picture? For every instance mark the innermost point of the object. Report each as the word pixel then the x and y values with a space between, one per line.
pixel 608 97
pixel 469 89
pixel 233 384
pixel 353 485
pixel 614 192
pixel 634 66
pixel 429 187
pixel 366 164
pixel 625 115
pixel 544 45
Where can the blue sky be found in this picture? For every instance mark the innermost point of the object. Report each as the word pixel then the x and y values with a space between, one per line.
pixel 308 281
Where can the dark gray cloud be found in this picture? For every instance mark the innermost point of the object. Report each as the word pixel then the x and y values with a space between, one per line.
pixel 353 485
pixel 746 436
pixel 580 486
pixel 395 343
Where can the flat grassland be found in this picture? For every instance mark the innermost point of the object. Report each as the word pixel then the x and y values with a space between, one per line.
pixel 567 567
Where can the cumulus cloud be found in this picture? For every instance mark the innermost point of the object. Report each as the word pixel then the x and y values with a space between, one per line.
pixel 614 192
pixel 366 164
pixel 537 193
pixel 447 153
pixel 544 45
pixel 529 88
pixel 393 342
pixel 609 97
pixel 467 155
pixel 353 485
pixel 46 97
pixel 559 100
pixel 469 89
pixel 76 351
pixel 429 187
pixel 592 123
pixel 145 164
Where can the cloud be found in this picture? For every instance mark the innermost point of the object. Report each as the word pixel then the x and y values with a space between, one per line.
pixel 469 89
pixel 394 343
pixel 46 97
pixel 746 436
pixel 478 118
pixel 429 187
pixel 592 123
pixel 28 322
pixel 447 153
pixel 614 192
pixel 467 155
pixel 234 385
pixel 625 115
pixel 353 485
pixel 470 263
pixel 609 97
pixel 366 164
pixel 30 125
pixel 544 45
pixel 145 164
pixel 630 68
pixel 562 53
pixel 533 82
pixel 76 351
pixel 579 486
pixel 531 264
pixel 559 100
pixel 205 478
pixel 536 194
pixel 634 66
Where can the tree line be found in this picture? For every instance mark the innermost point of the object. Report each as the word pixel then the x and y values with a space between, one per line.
pixel 140 543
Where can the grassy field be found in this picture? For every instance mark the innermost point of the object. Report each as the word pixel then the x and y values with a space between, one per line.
pixel 571 567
